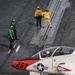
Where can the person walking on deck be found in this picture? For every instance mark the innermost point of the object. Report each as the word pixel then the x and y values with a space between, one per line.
pixel 38 16
pixel 11 36
pixel 13 24
pixel 47 18
pixel 47 21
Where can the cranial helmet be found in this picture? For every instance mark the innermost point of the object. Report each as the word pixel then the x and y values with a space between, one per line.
pixel 13 19
pixel 38 6
pixel 47 52
pixel 46 9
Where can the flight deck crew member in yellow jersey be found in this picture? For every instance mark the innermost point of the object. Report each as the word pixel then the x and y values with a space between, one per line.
pixel 47 18
pixel 38 16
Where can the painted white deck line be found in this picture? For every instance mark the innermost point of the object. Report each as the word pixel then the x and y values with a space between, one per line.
pixel 9 51
pixel 14 45
pixel 17 49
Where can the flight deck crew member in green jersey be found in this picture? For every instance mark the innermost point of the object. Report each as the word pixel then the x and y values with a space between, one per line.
pixel 13 24
pixel 11 36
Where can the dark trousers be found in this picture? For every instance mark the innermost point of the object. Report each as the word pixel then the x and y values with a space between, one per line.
pixel 11 41
pixel 15 33
pixel 38 21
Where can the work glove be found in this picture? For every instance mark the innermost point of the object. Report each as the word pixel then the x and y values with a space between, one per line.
pixel 12 38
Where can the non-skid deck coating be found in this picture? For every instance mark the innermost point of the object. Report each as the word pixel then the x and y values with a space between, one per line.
pixel 20 11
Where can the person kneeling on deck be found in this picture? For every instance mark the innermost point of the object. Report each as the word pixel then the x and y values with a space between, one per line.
pixel 11 36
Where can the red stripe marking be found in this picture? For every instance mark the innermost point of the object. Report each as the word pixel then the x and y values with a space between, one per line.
pixel 60 68
pixel 23 64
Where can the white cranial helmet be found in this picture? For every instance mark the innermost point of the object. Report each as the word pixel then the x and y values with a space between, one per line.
pixel 13 20
pixel 38 6
pixel 47 52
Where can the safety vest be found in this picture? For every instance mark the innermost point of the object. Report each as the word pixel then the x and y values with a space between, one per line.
pixel 38 12
pixel 13 25
pixel 47 15
pixel 10 33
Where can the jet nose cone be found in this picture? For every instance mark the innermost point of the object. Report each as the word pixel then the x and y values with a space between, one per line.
pixel 14 63
pixel 19 65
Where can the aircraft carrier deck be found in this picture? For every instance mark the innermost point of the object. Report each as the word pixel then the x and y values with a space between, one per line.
pixel 23 11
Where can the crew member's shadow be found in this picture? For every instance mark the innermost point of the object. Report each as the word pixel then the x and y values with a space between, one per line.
pixel 5 44
pixel 33 24
pixel 5 36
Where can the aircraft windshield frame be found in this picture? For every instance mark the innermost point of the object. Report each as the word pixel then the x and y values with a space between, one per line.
pixel 55 51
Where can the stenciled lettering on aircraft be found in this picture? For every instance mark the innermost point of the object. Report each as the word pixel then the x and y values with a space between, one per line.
pixel 21 65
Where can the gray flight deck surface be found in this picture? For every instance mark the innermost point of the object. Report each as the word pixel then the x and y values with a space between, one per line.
pixel 66 32
pixel 58 8
pixel 22 11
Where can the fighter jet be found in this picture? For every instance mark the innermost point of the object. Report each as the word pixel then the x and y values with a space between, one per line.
pixel 56 60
